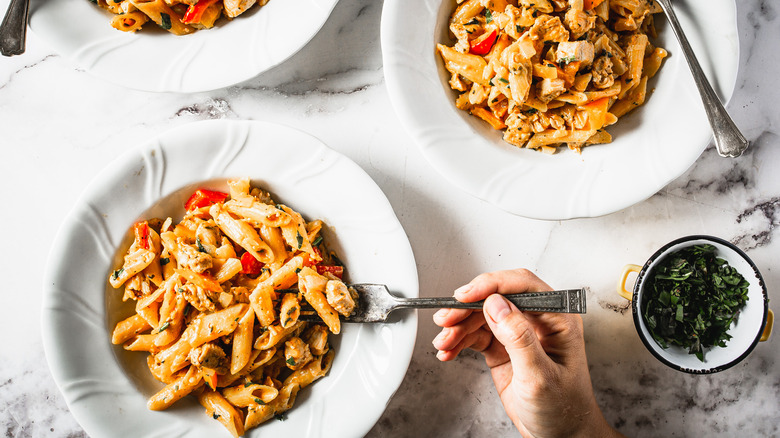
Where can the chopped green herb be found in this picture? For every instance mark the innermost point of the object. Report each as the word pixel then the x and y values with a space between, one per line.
pixel 693 298
pixel 297 270
pixel 471 22
pixel 165 21
pixel 259 401
pixel 164 326
pixel 117 273
pixel 280 417
pixel 317 241
pixel 200 245
pixel 248 384
pixel 488 16
pixel 291 362
pixel 503 80
pixel 215 415
pixel 164 261
pixel 299 238
pixel 566 60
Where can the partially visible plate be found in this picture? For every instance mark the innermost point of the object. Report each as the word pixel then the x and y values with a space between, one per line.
pixel 652 145
pixel 106 388
pixel 155 60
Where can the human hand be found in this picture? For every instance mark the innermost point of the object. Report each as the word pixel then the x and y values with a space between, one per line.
pixel 537 360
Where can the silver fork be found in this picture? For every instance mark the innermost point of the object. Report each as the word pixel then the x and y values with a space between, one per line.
pixel 13 31
pixel 729 141
pixel 375 303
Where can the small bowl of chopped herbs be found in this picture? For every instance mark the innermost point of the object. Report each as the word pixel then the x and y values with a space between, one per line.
pixel 699 303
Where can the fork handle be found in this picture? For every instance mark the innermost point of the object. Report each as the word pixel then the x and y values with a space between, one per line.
pixel 557 301
pixel 13 30
pixel 729 141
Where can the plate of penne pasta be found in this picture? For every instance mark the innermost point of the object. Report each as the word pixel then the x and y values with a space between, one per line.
pixel 177 45
pixel 556 109
pixel 197 289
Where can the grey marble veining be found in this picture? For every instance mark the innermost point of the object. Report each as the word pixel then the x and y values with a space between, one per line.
pixel 59 126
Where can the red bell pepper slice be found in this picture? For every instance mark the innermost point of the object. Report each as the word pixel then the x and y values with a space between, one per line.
pixel 204 198
pixel 142 235
pixel 195 12
pixel 483 43
pixel 250 265
pixel 338 271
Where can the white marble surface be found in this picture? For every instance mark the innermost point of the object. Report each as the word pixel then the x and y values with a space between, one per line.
pixel 59 126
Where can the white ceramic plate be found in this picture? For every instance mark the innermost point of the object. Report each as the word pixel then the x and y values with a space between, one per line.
pixel 155 60
pixel 652 145
pixel 107 388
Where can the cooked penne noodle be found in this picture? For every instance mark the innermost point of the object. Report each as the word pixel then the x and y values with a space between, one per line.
pixel 529 67
pixel 205 332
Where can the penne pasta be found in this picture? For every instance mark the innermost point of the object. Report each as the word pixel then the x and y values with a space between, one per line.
pixel 531 67
pixel 205 333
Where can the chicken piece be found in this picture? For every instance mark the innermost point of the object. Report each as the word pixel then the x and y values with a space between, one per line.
pixel 207 237
pixel 209 356
pixel 516 137
pixel 200 298
pixel 296 353
pixel 602 72
pixel 234 8
pixel 579 22
pixel 549 29
pixel 478 94
pixel 317 339
pixel 539 5
pixel 339 298
pixel 549 89
pixel 192 258
pixel 574 51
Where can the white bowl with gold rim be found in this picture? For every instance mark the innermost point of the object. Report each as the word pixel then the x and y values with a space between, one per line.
pixel 753 325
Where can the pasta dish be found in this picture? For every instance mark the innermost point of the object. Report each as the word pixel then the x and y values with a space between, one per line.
pixel 219 302
pixel 180 17
pixel 552 72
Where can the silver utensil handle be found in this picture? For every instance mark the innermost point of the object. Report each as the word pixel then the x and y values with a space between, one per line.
pixel 13 30
pixel 558 301
pixel 729 141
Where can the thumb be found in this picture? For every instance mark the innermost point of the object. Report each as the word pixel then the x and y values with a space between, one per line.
pixel 513 330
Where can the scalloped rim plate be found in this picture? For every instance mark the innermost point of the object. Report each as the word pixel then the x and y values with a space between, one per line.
pixel 107 388
pixel 652 145
pixel 154 60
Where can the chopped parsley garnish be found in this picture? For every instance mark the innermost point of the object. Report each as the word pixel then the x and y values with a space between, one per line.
pixel 164 326
pixel 281 417
pixel 117 273
pixel 165 21
pixel 488 16
pixel 291 362
pixel 215 415
pixel 317 241
pixel 503 80
pixel 692 299
pixel 164 261
pixel 299 238
pixel 201 248
pixel 258 401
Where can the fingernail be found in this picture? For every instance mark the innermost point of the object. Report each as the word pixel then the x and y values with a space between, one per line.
pixel 441 336
pixel 441 313
pixel 440 355
pixel 463 289
pixel 497 307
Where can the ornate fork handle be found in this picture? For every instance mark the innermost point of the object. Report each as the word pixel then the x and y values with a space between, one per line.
pixel 560 301
pixel 728 140
pixel 13 31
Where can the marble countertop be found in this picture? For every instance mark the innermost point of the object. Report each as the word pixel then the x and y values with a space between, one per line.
pixel 59 126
